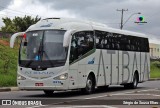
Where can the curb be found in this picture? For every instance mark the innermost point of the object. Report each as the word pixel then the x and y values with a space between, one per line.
pixel 14 89
pixel 5 89
pixel 154 79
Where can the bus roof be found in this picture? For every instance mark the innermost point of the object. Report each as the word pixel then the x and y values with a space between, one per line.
pixel 72 23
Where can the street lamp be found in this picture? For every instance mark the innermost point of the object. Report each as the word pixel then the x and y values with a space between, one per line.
pixel 122 24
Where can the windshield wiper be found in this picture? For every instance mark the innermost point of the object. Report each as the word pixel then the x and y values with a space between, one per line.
pixel 39 55
pixel 40 50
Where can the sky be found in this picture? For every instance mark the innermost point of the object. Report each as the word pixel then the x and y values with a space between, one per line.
pixel 103 11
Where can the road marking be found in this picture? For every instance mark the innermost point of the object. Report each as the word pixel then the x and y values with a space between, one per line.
pixel 155 89
pixel 94 106
pixel 137 94
pixel 37 106
pixel 121 93
pixel 108 95
pixel 133 94
pixel 156 95
pixel 87 106
pixel 61 107
pixel 90 106
pixel 97 97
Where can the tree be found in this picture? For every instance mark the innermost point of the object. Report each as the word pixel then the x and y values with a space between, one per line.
pixel 18 24
pixel 9 26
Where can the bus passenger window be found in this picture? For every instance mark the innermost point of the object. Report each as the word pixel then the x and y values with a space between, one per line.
pixel 82 42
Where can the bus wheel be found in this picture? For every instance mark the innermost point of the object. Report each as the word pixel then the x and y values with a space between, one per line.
pixel 135 81
pixel 48 92
pixel 134 84
pixel 90 86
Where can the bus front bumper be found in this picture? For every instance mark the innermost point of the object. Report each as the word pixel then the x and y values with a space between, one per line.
pixel 43 85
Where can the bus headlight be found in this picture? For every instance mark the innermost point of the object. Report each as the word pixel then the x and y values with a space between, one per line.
pixel 19 77
pixel 62 77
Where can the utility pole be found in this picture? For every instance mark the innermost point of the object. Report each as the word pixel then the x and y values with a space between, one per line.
pixel 122 10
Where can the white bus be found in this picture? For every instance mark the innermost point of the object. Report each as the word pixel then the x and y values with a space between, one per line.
pixel 65 54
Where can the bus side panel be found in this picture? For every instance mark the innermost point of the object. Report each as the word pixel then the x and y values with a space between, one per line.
pixel 92 68
pixel 120 68
pixel 145 66
pixel 105 67
pixel 100 76
pixel 125 66
pixel 142 65
pixel 72 75
pixel 131 67
pixel 138 58
pixel 82 75
pixel 85 66
pixel 114 65
pixel 134 64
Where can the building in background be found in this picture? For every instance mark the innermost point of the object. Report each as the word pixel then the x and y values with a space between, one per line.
pixel 154 51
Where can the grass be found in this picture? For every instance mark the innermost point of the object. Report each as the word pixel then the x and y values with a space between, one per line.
pixel 8 66
pixel 155 69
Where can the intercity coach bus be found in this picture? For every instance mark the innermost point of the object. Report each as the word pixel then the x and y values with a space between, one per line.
pixel 65 54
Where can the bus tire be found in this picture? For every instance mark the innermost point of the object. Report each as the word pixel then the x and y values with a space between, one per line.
pixel 90 85
pixel 135 82
pixel 48 92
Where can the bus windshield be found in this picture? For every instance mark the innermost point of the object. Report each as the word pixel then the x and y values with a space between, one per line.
pixel 43 48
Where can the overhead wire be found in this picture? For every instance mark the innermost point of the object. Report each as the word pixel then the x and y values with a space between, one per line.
pixel 18 11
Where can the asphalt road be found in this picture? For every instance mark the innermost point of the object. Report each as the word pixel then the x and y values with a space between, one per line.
pixel 113 97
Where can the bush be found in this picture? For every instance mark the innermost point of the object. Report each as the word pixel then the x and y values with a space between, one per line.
pixel 8 65
pixel 155 69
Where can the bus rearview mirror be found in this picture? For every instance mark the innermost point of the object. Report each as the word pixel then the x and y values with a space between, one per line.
pixel 13 38
pixel 67 37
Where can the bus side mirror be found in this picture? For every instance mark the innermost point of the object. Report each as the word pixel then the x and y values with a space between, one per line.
pixel 67 37
pixel 13 38
pixel 25 43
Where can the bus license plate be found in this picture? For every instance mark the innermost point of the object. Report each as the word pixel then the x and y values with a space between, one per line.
pixel 38 84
